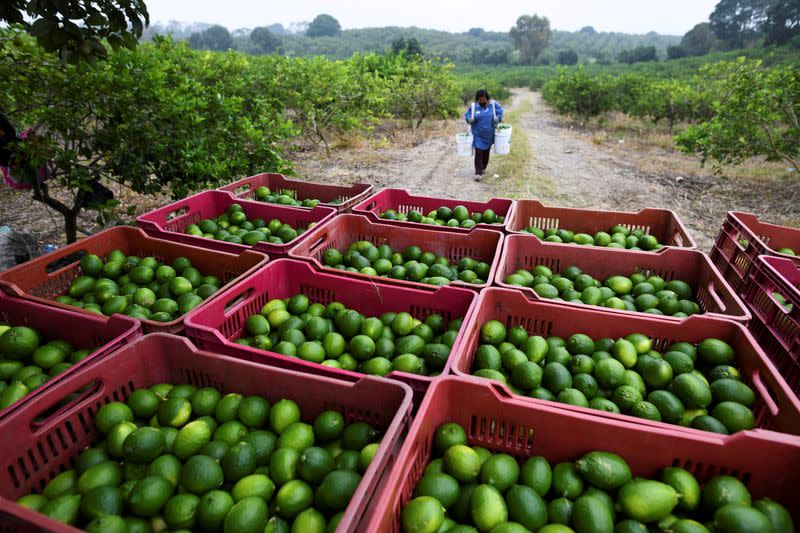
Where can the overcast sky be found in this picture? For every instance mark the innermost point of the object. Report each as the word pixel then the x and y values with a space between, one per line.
pixel 674 17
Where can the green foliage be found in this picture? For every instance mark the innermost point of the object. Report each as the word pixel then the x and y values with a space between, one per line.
pixel 576 93
pixel 468 85
pixel 638 54
pixel 163 117
pixel 416 88
pixel 568 57
pixel 323 26
pixel 756 114
pixel 409 47
pixel 783 22
pixel 738 23
pixel 264 40
pixel 476 46
pixel 158 116
pixel 323 98
pixel 700 40
pixel 530 35
pixel 676 52
pixel 76 30
pixel 214 38
pixel 744 23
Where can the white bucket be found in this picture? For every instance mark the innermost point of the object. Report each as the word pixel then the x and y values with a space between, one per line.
pixel 464 143
pixel 502 140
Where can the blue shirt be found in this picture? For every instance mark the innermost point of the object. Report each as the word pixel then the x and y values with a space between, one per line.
pixel 483 128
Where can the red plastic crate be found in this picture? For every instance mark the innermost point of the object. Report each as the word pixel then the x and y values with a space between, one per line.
pixel 716 298
pixel 735 260
pixel 342 231
pixel 776 327
pixel 403 201
pixel 83 332
pixel 776 407
pixel 219 324
pixel 663 224
pixel 33 451
pixel 50 275
pixel 170 221
pixel 339 197
pixel 767 464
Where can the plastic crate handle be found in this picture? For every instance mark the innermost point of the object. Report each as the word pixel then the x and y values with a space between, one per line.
pixel 712 291
pixel 234 303
pixel 68 257
pixel 765 392
pixel 315 246
pixel 42 412
pixel 180 211
pixel 243 188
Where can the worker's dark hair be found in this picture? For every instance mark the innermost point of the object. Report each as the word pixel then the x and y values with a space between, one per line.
pixel 482 92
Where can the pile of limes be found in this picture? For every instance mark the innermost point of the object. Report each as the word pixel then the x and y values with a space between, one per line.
pixel 140 287
pixel 284 197
pixel 411 264
pixel 343 338
pixel 181 458
pixel 616 237
pixel 627 293
pixel 233 226
pixel 695 386
pixel 466 489
pixel 457 217
pixel 27 360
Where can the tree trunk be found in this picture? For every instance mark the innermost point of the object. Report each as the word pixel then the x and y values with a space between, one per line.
pixel 41 193
pixel 71 227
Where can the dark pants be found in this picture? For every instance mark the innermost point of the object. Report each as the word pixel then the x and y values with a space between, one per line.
pixel 481 160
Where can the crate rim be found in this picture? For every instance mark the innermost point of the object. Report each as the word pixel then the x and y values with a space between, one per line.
pixel 499 279
pixel 344 207
pixel 295 253
pixel 360 209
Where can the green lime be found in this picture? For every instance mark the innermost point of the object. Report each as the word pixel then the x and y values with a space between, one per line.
pixel 204 401
pixel 111 414
pixel 315 463
pixel 239 461
pixel 336 490
pixel 283 414
pixel 201 474
pixel 166 466
pixel 249 515
pixel 227 408
pixel 462 462
pixel 212 509
pixel 283 465
pixel 423 514
pixel 149 496
pixel 174 412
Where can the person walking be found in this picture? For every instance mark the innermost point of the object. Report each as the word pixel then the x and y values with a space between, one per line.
pixel 483 116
